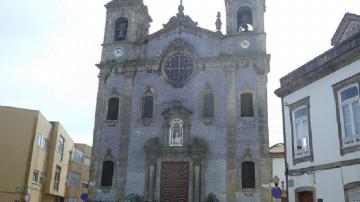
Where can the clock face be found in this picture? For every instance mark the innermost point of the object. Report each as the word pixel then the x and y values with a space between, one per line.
pixel 245 43
pixel 118 52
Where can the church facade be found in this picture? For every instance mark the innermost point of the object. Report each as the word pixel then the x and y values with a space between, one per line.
pixel 182 112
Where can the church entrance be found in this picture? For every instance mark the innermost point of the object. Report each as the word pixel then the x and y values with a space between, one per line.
pixel 174 185
pixel 306 196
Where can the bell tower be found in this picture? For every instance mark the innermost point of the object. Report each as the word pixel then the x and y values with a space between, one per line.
pixel 126 21
pixel 244 16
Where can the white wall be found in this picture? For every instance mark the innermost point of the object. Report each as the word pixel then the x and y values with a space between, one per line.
pixel 324 126
pixel 329 184
pixel 278 168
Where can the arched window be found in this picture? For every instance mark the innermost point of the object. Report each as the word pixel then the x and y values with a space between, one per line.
pixel 248 174
pixel 247 105
pixel 113 109
pixel 176 133
pixel 244 19
pixel 207 106
pixel 121 28
pixel 147 105
pixel 107 173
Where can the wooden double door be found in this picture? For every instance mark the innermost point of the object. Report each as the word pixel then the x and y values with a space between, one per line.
pixel 174 182
pixel 306 196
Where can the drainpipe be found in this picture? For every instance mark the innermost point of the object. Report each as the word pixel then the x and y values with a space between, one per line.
pixel 285 151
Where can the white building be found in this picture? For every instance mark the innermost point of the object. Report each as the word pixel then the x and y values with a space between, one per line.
pixel 321 110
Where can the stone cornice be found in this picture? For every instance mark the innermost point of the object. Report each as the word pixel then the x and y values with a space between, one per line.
pixel 238 61
pixel 327 166
pixel 330 61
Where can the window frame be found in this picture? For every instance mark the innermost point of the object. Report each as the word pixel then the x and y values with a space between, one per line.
pixel 37 177
pixel 305 102
pixel 337 89
pixel 60 148
pixel 207 92
pixel 57 177
pixel 148 120
pixel 166 68
pixel 123 20
pixel 243 171
pixel 108 108
pixel 103 180
pixel 181 136
pixel 253 105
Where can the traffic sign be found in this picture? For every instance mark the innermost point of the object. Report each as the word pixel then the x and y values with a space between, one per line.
pixel 276 192
pixel 84 196
pixel 27 197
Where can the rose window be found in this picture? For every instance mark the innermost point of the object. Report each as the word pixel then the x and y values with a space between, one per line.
pixel 178 69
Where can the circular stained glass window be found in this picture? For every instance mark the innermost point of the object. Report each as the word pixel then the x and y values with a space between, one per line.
pixel 178 69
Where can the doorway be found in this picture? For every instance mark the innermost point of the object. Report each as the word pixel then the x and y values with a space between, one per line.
pixel 174 183
pixel 306 196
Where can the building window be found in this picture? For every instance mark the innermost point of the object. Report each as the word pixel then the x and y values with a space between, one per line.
pixel 207 107
pixel 301 130
pixel 35 177
pixel 113 109
pixel 247 105
pixel 244 19
pixel 352 192
pixel 85 185
pixel 87 161
pixel 60 149
pixel 178 69
pixel 77 155
pixel 42 141
pixel 121 28
pixel 74 179
pixel 176 133
pixel 248 174
pixel 148 105
pixel 107 173
pixel 349 105
pixel 57 178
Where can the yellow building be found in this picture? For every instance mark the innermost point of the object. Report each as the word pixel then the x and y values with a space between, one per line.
pixel 78 175
pixel 34 156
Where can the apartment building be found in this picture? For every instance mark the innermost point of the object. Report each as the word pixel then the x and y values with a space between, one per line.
pixel 78 175
pixel 34 156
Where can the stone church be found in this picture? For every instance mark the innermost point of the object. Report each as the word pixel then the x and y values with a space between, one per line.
pixel 182 112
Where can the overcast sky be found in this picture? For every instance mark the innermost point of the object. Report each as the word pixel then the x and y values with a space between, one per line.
pixel 49 48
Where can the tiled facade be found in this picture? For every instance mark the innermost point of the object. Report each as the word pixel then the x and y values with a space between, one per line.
pixel 214 150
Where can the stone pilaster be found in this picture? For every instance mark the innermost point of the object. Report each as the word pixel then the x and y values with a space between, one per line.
pixel 265 163
pixel 95 155
pixel 126 106
pixel 197 181
pixel 231 135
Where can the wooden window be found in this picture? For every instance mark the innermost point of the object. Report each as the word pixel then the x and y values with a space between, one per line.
pixel 347 98
pixel 248 174
pixel 208 106
pixel 349 105
pixel 301 130
pixel 113 109
pixel 299 113
pixel 107 173
pixel 121 28
pixel 247 105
